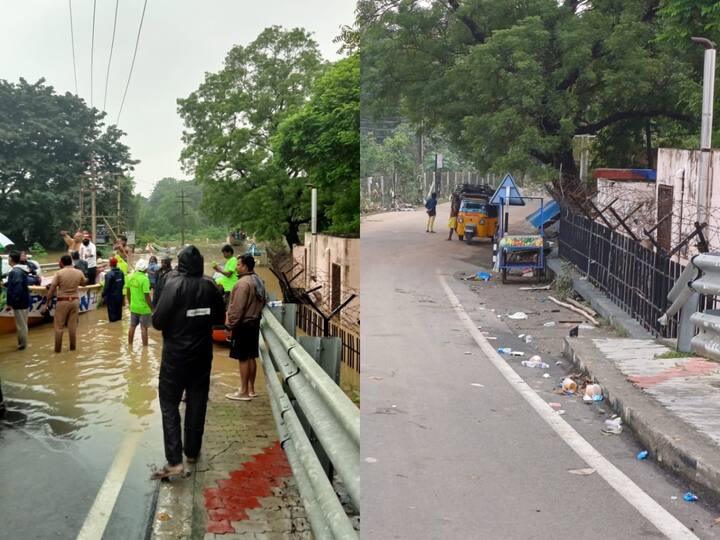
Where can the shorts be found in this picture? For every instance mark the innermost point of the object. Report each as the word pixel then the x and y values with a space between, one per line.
pixel 143 320
pixel 245 339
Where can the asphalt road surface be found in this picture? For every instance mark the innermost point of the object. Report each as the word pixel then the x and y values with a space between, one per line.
pixel 454 444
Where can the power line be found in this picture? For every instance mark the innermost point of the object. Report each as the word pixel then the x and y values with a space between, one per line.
pixel 92 52
pixel 112 42
pixel 72 40
pixel 132 65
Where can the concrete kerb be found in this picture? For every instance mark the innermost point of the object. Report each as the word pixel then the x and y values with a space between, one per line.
pixel 600 302
pixel 671 442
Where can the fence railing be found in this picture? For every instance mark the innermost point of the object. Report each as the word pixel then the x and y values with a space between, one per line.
pixel 310 322
pixel 636 278
pixel 334 420
pixel 377 191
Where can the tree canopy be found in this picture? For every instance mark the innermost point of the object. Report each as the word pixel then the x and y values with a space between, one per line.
pixel 47 142
pixel 322 141
pixel 162 213
pixel 229 121
pixel 511 83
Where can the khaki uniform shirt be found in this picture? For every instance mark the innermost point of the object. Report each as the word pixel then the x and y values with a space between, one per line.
pixel 67 280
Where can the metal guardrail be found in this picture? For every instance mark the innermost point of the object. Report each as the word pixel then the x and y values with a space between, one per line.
pixel 334 419
pixel 707 341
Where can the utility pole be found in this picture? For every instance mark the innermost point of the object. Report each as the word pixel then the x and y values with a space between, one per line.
pixel 182 216
pixel 119 211
pixel 82 200
pixel 93 192
pixel 686 329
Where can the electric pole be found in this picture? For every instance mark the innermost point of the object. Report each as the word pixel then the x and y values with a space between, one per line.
pixel 93 191
pixel 182 216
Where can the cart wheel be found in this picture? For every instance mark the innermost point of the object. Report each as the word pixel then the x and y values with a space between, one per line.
pixel 504 275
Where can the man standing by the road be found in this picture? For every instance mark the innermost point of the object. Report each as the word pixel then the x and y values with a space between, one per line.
pixel 187 310
pixel 243 318
pixel 18 297
pixel 88 253
pixel 431 205
pixel 113 291
pixel 137 287
pixel 67 309
pixel 229 272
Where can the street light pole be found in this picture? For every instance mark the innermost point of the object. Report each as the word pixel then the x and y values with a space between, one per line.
pixel 686 329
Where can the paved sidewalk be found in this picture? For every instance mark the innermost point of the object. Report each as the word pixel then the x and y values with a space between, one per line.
pixel 672 404
pixel 242 487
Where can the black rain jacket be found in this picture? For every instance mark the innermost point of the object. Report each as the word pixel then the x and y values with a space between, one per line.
pixel 18 294
pixel 190 305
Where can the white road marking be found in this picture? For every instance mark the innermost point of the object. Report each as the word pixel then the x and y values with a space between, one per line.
pixel 99 515
pixel 666 523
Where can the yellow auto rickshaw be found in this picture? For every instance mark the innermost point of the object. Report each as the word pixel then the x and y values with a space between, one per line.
pixel 475 216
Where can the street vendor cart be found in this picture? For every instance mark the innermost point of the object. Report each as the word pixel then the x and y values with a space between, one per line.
pixel 522 251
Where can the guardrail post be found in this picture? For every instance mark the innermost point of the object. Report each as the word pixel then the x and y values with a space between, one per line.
pixel 287 315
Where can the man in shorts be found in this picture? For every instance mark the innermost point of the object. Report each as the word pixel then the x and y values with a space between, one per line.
pixel 137 288
pixel 65 283
pixel 243 319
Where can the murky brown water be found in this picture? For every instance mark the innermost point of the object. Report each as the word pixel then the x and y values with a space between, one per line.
pixel 81 405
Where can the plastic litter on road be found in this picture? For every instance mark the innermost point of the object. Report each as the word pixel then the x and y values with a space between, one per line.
pixel 535 362
pixel 556 406
pixel 546 375
pixel 613 426
pixel 551 323
pixel 690 497
pixel 569 386
pixel 518 316
pixel 642 455
pixel 517 353
pixel 504 350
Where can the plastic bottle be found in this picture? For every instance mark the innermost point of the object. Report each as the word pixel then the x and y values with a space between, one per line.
pixel 505 350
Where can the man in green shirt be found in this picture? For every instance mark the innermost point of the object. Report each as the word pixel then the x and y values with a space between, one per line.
pixel 137 288
pixel 229 272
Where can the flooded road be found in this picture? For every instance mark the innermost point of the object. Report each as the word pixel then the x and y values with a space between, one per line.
pixel 83 429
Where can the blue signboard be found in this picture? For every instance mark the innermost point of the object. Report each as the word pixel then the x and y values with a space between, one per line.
pixel 516 198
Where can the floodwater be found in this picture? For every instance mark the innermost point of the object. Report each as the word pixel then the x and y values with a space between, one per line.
pixel 73 417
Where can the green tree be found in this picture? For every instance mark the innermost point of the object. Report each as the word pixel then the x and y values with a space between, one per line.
pixel 162 213
pixel 321 142
pixel 229 121
pixel 511 83
pixel 47 142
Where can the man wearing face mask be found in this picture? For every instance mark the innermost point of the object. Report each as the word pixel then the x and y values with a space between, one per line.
pixel 88 253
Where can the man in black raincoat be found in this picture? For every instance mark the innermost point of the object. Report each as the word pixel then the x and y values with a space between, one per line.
pixel 187 310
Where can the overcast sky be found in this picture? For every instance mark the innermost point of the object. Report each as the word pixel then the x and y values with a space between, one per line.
pixel 181 40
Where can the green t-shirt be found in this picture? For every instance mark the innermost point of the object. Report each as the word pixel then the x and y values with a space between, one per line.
pixel 229 282
pixel 122 265
pixel 139 284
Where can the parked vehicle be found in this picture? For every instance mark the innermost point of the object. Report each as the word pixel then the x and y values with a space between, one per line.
pixel 476 217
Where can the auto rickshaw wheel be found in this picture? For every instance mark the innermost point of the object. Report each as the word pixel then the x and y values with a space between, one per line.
pixel 468 239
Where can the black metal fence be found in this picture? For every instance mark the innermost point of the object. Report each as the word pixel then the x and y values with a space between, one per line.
pixel 636 278
pixel 310 322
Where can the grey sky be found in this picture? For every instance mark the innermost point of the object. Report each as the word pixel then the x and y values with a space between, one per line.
pixel 180 41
